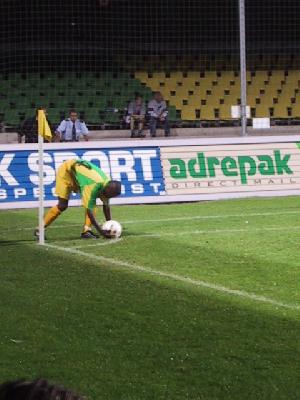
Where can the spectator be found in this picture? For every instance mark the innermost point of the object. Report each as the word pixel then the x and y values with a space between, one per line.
pixel 136 114
pixel 39 389
pixel 72 128
pixel 29 128
pixel 158 112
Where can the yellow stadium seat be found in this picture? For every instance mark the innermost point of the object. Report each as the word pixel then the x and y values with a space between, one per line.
pixel 200 91
pixel 260 76
pixel 231 100
pixel 286 95
pixel 195 101
pixel 251 101
pixel 169 82
pixel 225 82
pixel 254 89
pixel 276 78
pixel 176 101
pixel 213 100
pixel 280 111
pixel 207 113
pixel 165 92
pixel 293 77
pixel 262 111
pixel 218 90
pixel 296 110
pixel 188 113
pixel 194 75
pixel 189 82
pixel 142 76
pixel 284 99
pixel 193 90
pixel 271 91
pixel 159 76
pixel 225 112
pixel 211 75
pixel 176 76
pixel 266 99
pixel 236 89
pixel 181 91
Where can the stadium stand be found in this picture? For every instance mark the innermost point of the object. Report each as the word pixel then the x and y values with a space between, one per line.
pixel 102 98
pixel 209 95
pixel 98 97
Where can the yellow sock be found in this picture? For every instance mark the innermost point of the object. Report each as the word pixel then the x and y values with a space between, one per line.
pixel 51 215
pixel 87 222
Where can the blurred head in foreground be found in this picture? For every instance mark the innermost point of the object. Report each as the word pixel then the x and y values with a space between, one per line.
pixel 39 389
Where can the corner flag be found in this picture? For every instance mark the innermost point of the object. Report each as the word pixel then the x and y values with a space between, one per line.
pixel 43 126
pixel 44 132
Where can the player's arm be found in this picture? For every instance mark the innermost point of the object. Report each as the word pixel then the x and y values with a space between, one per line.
pixel 106 212
pixel 95 223
pixel 106 207
pixel 93 220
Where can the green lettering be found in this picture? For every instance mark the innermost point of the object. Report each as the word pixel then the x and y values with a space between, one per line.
pixel 266 167
pixel 178 168
pixel 247 167
pixel 282 163
pixel 211 162
pixel 202 167
pixel 227 164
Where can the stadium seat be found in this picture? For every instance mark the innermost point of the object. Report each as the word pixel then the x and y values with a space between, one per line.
pixel 281 111
pixel 187 91
pixel 262 111
pixel 188 113
pixel 225 112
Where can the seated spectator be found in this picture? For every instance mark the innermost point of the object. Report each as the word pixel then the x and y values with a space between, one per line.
pixel 39 389
pixel 158 112
pixel 72 128
pixel 29 128
pixel 136 114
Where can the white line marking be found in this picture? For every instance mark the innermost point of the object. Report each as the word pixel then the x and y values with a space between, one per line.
pixel 213 231
pixel 200 232
pixel 199 217
pixel 187 218
pixel 194 282
pixel 107 243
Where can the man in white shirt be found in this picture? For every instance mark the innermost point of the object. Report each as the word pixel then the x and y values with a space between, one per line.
pixel 158 111
pixel 136 114
pixel 72 128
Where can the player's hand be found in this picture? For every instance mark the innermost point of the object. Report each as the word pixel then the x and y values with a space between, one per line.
pixel 105 234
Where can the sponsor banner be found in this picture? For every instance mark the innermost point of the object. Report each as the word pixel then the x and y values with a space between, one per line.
pixel 239 168
pixel 138 168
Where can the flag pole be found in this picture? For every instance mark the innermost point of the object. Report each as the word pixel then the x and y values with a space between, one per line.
pixel 41 191
pixel 44 131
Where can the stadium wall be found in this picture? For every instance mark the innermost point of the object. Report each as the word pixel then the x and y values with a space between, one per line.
pixel 158 171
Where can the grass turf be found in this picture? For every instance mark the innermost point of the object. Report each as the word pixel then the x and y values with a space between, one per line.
pixel 113 332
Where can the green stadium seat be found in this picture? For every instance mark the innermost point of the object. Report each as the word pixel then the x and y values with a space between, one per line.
pixel 91 115
pixel 172 115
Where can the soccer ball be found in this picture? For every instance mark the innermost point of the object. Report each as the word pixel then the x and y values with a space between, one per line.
pixel 114 227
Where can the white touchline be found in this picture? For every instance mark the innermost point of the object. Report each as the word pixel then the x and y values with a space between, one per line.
pixel 213 231
pixel 109 242
pixel 194 282
pixel 187 218
pixel 196 232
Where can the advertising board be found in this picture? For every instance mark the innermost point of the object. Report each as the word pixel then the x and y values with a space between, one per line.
pixel 158 171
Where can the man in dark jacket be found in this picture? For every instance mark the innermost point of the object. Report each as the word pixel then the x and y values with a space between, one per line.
pixel 29 128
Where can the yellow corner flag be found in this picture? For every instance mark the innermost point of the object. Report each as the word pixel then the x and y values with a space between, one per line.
pixel 43 126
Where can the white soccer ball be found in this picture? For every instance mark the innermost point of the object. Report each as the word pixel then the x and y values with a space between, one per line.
pixel 114 227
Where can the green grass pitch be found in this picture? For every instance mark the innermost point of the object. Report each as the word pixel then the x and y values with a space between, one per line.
pixel 196 301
